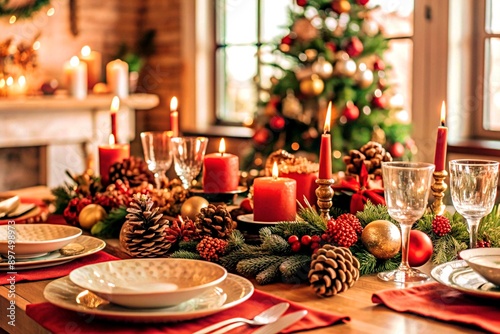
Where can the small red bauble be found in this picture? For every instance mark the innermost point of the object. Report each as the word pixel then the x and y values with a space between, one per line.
pixel 287 40
pixel 350 112
pixel 362 2
pixel 261 136
pixel 379 65
pixel 293 239
pixel 354 47
pixel 331 46
pixel 246 205
pixel 302 3
pixel 316 238
pixel 420 248
pixel 296 246
pixel 306 240
pixel 379 101
pixel 397 150
pixel 277 123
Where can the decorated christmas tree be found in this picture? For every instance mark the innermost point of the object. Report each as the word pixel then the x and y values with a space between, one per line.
pixel 334 51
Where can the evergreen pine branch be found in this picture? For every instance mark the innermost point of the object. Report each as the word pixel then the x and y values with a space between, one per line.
pixel 295 268
pixel 310 215
pixel 63 194
pixel 251 267
pixel 110 226
pixel 446 249
pixel 276 244
pixel 183 254
pixel 367 262
pixel 373 212
pixel 188 246
pixel 231 259
pixel 286 229
pixel 388 265
pixel 269 275
pixel 236 241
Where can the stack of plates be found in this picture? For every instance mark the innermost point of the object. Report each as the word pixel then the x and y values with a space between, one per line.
pixel 28 246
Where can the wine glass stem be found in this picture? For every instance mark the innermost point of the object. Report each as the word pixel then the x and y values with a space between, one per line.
pixel 473 226
pixel 159 179
pixel 405 243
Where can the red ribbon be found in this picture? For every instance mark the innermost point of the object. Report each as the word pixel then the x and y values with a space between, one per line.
pixel 363 190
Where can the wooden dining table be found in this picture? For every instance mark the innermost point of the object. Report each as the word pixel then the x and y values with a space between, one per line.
pixel 356 302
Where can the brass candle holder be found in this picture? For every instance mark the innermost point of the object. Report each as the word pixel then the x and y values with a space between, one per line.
pixel 438 189
pixel 324 192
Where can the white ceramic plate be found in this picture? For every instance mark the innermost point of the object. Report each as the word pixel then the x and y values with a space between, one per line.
pixel 34 240
pixel 486 261
pixel 249 220
pixel 92 245
pixel 458 275
pixel 143 283
pixel 233 291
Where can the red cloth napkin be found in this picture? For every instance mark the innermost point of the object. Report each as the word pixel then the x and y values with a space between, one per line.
pixel 438 301
pixel 43 314
pixel 57 270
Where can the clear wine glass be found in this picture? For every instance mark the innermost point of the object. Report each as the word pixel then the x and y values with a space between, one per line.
pixel 406 190
pixel 188 157
pixel 157 153
pixel 473 187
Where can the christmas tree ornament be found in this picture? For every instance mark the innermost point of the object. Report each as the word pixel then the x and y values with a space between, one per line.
pixel 333 270
pixel 341 6
pixel 346 68
pixel 262 136
pixel 90 215
pixel 143 233
pixel 214 221
pixel 441 225
pixel 304 30
pixel 420 248
pixel 192 206
pixel 322 67
pixel 302 3
pixel 397 150
pixel 378 65
pixel 312 86
pixel 382 239
pixel 362 2
pixel 277 123
pixel 331 46
pixel 369 27
pixel 350 111
pixel 291 106
pixel 379 100
pixel 331 24
pixel 311 54
pixel 378 135
pixel 354 47
pixel 365 79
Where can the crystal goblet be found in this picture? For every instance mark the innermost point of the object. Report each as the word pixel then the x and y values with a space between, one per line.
pixel 473 187
pixel 157 153
pixel 188 157
pixel 406 190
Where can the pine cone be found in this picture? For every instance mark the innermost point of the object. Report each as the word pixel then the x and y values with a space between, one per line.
pixel 333 270
pixel 134 170
pixel 340 232
pixel 180 230
pixel 170 198
pixel 211 248
pixel 372 154
pixel 214 221
pixel 143 234
pixel 441 226
pixel 351 220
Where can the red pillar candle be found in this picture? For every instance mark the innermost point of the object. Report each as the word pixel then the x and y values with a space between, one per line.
pixel 109 154
pixel 325 151
pixel 115 106
pixel 274 198
pixel 174 117
pixel 306 186
pixel 221 171
pixel 441 142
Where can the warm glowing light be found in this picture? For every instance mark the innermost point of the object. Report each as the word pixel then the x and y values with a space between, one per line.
pixel 36 45
pixel 222 146
pixel 12 19
pixel 295 146
pixel 115 104
pixel 443 113
pixel 10 81
pixel 21 81
pixel 2 83
pixel 275 172
pixel 51 11
pixel 86 50
pixel 174 104
pixel 74 61
pixel 337 154
pixel 111 139
pixel 328 117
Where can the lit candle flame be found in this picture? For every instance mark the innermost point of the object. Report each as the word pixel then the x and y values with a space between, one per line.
pixel 275 172
pixel 74 61
pixel 443 113
pixel 328 117
pixel 9 81
pixel 86 51
pixel 115 104
pixel 111 139
pixel 173 104
pixel 21 81
pixel 222 146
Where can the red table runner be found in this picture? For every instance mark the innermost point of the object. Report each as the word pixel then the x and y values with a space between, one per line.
pixel 43 314
pixel 438 301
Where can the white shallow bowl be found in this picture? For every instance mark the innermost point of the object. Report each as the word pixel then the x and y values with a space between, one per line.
pixel 34 240
pixel 484 261
pixel 149 283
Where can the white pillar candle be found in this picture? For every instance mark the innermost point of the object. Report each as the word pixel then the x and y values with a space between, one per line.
pixel 117 77
pixel 75 73
pixel 93 59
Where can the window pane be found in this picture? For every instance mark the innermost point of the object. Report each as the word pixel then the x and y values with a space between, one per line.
pixel 274 19
pixel 241 22
pixel 395 16
pixel 493 17
pixel 237 95
pixel 400 56
pixel 491 117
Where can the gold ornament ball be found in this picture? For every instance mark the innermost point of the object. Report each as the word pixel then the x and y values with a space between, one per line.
pixel 192 206
pixel 90 215
pixel 312 86
pixel 382 239
pixel 341 6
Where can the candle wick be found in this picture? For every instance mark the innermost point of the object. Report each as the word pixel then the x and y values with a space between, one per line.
pixel 442 123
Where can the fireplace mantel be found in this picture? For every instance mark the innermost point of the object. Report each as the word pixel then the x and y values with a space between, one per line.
pixel 68 129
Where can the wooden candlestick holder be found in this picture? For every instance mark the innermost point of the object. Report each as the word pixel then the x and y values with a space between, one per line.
pixel 438 189
pixel 324 193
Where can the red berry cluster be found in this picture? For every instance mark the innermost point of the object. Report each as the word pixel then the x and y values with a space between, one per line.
pixel 483 244
pixel 211 248
pixel 74 208
pixel 304 243
pixel 343 231
pixel 441 226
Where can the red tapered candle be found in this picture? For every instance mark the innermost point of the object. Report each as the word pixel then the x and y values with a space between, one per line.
pixel 325 150
pixel 441 142
pixel 115 106
pixel 221 171
pixel 174 117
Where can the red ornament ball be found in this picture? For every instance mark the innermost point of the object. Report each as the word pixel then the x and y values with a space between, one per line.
pixel 302 3
pixel 350 112
pixel 296 246
pixel 362 2
pixel 306 240
pixel 293 239
pixel 277 123
pixel 397 150
pixel 379 101
pixel 379 65
pixel 331 46
pixel 354 47
pixel 420 248
pixel 287 40
pixel 261 136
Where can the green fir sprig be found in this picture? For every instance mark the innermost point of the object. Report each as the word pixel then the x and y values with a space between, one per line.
pixel 110 226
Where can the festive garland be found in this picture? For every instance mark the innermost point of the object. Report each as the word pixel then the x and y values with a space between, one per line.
pixel 25 11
